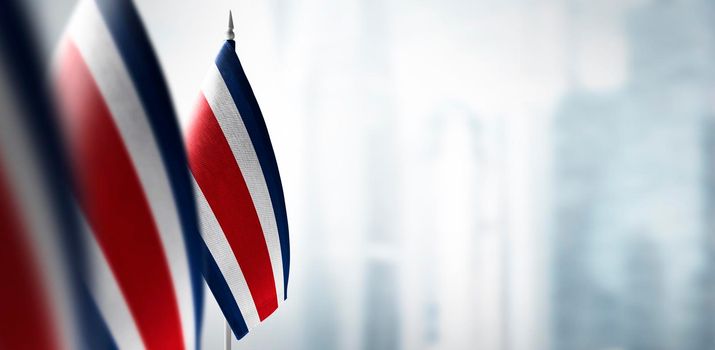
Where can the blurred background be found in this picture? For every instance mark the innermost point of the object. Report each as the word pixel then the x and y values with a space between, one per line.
pixel 483 174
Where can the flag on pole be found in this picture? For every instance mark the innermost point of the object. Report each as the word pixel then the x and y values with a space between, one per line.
pixel 133 187
pixel 239 194
pixel 39 254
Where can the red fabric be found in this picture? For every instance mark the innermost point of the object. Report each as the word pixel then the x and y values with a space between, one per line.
pixel 116 207
pixel 25 321
pixel 219 178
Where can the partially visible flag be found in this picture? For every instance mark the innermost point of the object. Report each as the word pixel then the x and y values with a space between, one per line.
pixel 39 254
pixel 239 195
pixel 133 187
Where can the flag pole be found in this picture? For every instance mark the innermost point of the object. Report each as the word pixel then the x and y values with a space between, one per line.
pixel 227 328
pixel 227 336
pixel 229 33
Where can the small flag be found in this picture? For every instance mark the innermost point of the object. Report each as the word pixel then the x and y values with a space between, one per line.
pixel 39 254
pixel 133 187
pixel 239 194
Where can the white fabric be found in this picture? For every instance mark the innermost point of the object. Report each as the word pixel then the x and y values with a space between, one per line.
pixel 93 39
pixel 226 112
pixel 222 253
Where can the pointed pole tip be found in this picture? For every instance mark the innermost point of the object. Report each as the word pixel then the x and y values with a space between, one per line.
pixel 229 33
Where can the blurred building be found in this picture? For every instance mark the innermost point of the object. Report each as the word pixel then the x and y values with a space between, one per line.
pixel 382 317
pixel 630 218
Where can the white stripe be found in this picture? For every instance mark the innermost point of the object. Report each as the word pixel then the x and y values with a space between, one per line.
pixel 223 255
pixel 226 112
pixel 96 46
pixel 32 196
pixel 108 296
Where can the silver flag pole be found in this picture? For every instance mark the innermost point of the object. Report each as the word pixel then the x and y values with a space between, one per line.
pixel 229 33
pixel 227 329
pixel 227 336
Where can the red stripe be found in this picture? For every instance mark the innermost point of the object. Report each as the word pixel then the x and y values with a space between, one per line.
pixel 115 204
pixel 24 313
pixel 221 181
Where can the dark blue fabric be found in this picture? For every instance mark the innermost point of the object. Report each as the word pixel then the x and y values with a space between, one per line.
pixel 233 75
pixel 224 297
pixel 99 337
pixel 27 74
pixel 28 77
pixel 133 43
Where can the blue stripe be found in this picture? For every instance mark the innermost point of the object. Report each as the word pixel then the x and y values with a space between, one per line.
pixel 224 297
pixel 28 77
pixel 100 337
pixel 27 74
pixel 133 44
pixel 242 94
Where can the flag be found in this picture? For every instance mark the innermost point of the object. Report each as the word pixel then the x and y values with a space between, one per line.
pixel 132 185
pixel 39 254
pixel 239 196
